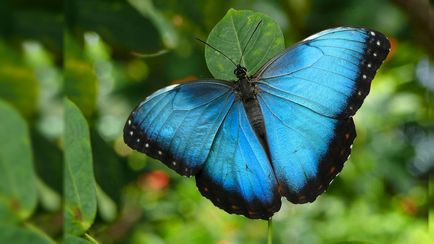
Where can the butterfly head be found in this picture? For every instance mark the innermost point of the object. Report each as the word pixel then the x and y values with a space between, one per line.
pixel 240 72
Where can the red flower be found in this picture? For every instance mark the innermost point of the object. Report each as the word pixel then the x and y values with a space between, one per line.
pixel 156 180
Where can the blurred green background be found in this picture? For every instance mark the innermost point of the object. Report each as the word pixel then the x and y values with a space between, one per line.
pixel 87 50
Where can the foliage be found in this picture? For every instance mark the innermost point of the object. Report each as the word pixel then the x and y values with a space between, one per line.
pixel 230 36
pixel 80 189
pixel 381 196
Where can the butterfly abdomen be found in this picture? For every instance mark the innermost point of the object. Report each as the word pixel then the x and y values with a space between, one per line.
pixel 251 105
pixel 255 116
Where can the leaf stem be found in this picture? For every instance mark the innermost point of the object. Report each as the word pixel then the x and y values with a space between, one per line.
pixel 90 239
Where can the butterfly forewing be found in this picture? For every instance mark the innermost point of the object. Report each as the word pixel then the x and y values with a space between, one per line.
pixel 330 72
pixel 177 125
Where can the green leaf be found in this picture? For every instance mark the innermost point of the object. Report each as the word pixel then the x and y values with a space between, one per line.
pixel 231 35
pixel 18 194
pixel 18 234
pixel 80 190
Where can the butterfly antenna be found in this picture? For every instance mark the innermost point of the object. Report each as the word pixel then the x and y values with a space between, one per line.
pixel 248 41
pixel 216 50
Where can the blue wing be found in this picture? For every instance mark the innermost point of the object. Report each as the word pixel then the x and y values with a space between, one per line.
pixel 330 72
pixel 177 124
pixel 307 96
pixel 201 129
pixel 307 149
pixel 237 175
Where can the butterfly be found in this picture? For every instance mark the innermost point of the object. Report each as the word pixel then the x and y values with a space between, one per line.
pixel 285 131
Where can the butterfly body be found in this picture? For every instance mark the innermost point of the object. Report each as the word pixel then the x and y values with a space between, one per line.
pixel 246 91
pixel 286 131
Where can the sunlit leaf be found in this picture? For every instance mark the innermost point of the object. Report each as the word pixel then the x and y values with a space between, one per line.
pixel 230 36
pixel 79 188
pixel 18 195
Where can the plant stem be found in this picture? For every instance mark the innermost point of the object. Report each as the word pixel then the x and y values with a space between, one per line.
pixel 270 231
pixel 90 239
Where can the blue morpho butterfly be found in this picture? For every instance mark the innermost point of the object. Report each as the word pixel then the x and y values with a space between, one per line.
pixel 285 131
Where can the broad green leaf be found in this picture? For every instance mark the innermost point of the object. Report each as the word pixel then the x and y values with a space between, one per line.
pixel 230 36
pixel 18 194
pixel 79 188
pixel 20 234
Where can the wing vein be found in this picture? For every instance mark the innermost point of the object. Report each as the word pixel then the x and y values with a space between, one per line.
pixel 295 130
pixel 284 98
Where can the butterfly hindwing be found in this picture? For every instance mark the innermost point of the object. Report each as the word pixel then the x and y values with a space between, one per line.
pixel 178 124
pixel 307 149
pixel 307 96
pixel 237 175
